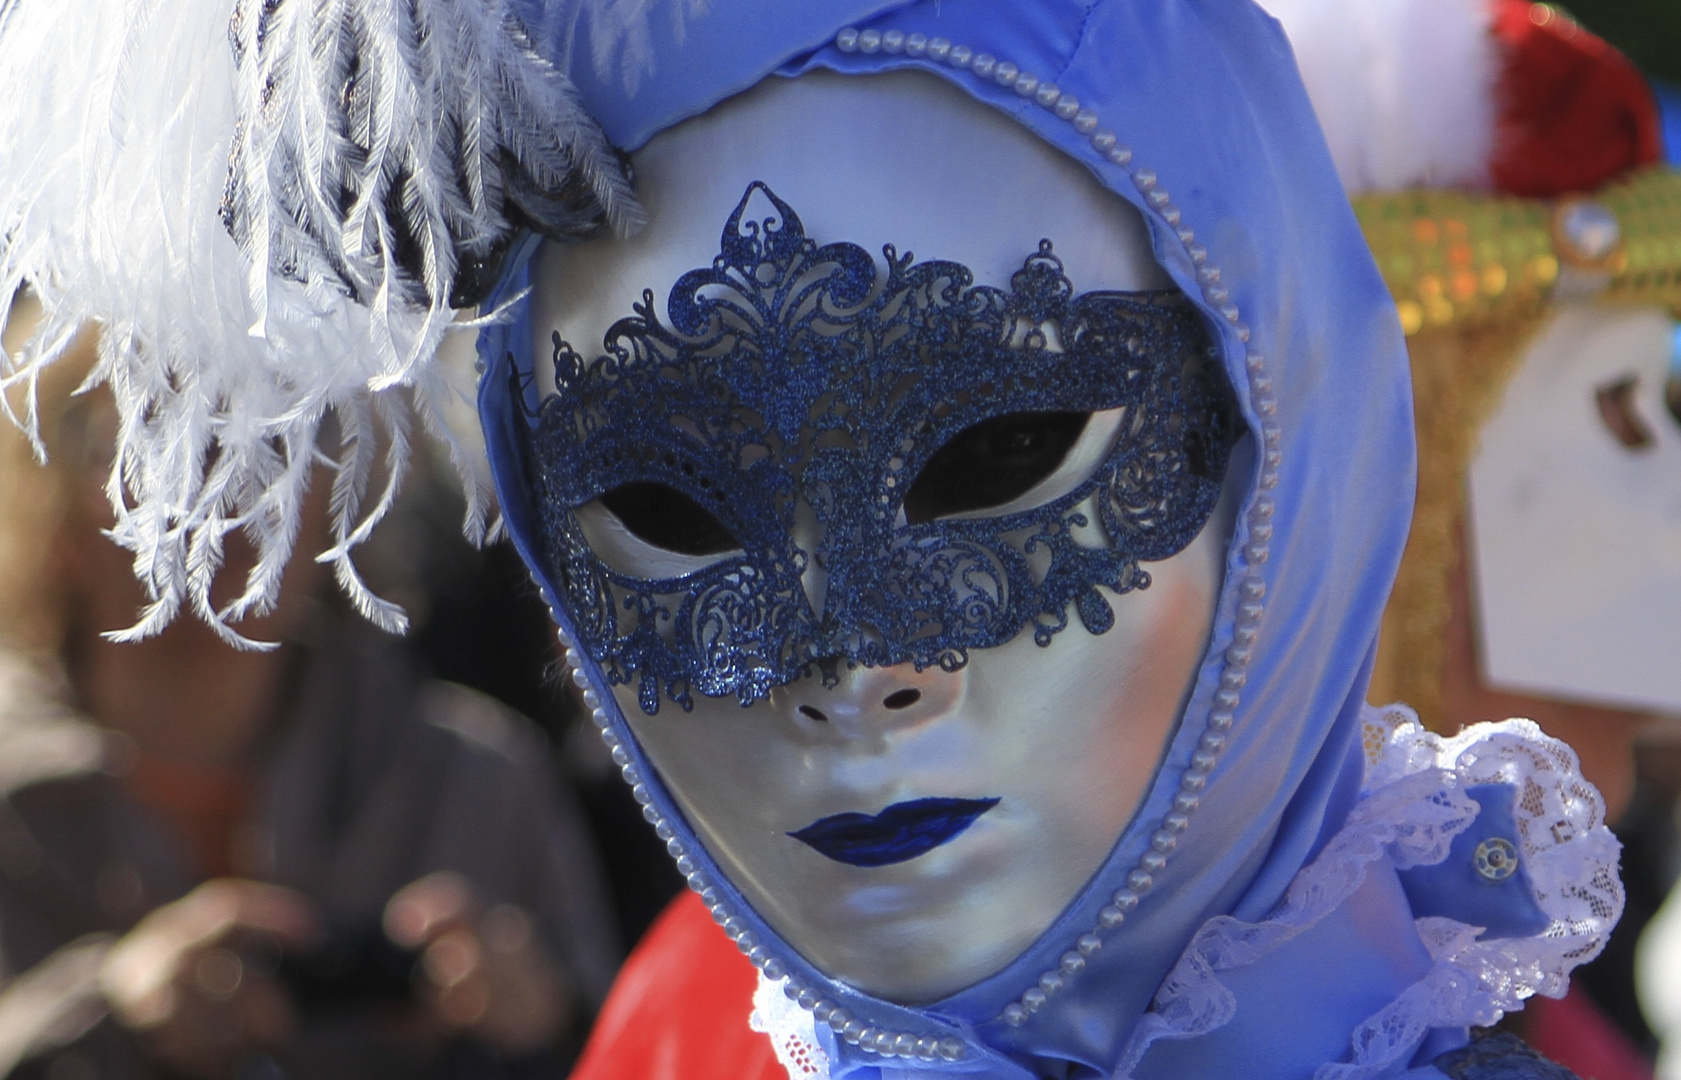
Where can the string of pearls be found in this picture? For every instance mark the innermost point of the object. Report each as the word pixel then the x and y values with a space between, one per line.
pixel 1251 591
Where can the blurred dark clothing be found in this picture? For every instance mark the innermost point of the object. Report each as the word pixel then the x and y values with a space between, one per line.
pixel 490 629
pixel 373 778
pixel 1647 832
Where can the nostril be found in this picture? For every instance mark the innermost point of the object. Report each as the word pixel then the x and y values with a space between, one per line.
pixel 815 714
pixel 902 699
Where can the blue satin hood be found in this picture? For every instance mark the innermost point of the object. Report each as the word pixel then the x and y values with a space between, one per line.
pixel 1230 172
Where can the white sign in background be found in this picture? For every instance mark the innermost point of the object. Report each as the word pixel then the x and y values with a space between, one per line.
pixel 1576 536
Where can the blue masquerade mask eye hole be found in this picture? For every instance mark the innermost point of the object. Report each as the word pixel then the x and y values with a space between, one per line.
pixel 667 518
pixel 991 463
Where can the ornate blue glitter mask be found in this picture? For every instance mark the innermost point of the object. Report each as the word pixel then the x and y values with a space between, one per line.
pixel 838 441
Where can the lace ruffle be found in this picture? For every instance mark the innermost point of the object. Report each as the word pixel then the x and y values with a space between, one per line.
pixel 792 1031
pixel 1572 862
pixel 1412 807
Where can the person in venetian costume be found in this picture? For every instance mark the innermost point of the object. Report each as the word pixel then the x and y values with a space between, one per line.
pixel 968 504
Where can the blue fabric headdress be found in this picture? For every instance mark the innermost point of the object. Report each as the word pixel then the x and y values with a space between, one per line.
pixel 1190 110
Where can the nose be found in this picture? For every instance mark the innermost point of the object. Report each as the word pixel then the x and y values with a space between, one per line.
pixel 868 701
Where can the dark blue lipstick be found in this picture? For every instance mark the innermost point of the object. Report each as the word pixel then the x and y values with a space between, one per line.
pixel 899 833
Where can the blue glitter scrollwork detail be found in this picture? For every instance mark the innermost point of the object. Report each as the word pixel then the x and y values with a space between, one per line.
pixel 796 389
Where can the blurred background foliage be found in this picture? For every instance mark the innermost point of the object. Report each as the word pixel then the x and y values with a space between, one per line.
pixel 1648 31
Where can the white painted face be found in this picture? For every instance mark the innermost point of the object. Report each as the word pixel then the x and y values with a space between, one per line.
pixel 1046 751
pixel 1575 498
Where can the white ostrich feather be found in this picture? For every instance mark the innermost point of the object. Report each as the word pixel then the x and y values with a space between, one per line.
pixel 1404 89
pixel 373 158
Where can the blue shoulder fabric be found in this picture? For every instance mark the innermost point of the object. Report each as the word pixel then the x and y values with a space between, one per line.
pixel 1482 881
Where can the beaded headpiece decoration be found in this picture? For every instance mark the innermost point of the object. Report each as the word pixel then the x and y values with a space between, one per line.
pixel 857 451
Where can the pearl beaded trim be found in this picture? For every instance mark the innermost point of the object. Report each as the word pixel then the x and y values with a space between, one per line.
pixel 1252 590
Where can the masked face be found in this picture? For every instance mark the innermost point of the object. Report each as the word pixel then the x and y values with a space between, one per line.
pixel 1576 516
pixel 902 568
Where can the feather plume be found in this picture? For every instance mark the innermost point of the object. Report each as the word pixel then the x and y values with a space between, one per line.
pixel 274 210
pixel 1404 89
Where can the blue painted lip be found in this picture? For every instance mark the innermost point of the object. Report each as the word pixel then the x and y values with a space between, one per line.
pixel 898 834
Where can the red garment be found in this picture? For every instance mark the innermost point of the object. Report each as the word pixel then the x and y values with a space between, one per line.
pixel 1574 112
pixel 1576 1034
pixel 679 1009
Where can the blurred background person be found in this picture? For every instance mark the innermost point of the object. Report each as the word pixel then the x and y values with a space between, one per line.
pixel 312 861
pixel 1507 166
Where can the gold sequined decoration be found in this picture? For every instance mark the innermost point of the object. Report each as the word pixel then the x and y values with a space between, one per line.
pixel 1474 278
pixel 1648 208
pixel 1458 375
pixel 1451 258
